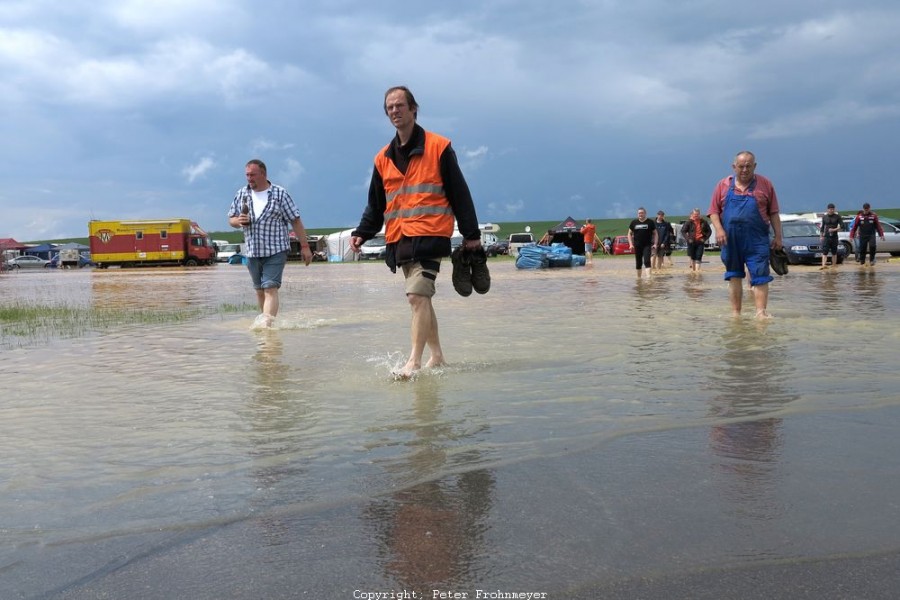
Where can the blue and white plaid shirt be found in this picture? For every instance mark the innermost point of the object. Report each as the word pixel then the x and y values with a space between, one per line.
pixel 269 231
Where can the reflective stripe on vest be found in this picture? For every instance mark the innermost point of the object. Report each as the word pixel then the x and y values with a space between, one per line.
pixel 416 202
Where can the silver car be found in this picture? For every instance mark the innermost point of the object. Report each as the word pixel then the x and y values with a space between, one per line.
pixel 891 241
pixel 26 261
pixel 374 248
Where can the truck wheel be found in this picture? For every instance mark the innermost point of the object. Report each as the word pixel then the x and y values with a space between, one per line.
pixel 190 262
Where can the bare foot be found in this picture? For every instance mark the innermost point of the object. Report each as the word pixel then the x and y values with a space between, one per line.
pixel 433 363
pixel 405 372
pixel 763 314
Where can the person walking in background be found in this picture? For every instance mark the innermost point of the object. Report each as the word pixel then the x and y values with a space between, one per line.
pixel 416 191
pixel 832 223
pixel 589 232
pixel 670 247
pixel 866 225
pixel 641 239
pixel 696 232
pixel 267 213
pixel 742 209
pixel 662 241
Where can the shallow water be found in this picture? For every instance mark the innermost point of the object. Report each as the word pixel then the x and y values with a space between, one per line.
pixel 590 426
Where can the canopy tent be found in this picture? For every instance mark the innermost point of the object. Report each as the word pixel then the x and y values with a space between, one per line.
pixel 45 251
pixel 569 224
pixel 73 246
pixel 11 244
pixel 566 232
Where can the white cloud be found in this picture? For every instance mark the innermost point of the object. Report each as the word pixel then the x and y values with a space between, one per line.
pixel 291 172
pixel 817 119
pixel 192 172
pixel 473 159
pixel 57 70
pixel 168 15
pixel 509 209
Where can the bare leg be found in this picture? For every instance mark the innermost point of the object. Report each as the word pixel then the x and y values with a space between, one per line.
pixel 424 331
pixel 270 304
pixel 735 294
pixel 761 299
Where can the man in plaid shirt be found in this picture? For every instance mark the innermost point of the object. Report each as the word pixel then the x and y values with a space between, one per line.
pixel 266 213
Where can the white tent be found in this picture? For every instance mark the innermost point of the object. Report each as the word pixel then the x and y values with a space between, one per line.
pixel 338 244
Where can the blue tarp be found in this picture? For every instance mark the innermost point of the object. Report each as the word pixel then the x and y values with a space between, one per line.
pixel 541 257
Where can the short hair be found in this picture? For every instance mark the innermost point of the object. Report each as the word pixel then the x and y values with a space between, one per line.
pixel 830 205
pixel 745 152
pixel 641 208
pixel 659 212
pixel 258 163
pixel 410 99
pixel 866 205
pixel 587 220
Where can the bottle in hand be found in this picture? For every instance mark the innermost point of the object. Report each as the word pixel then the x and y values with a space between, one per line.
pixel 245 208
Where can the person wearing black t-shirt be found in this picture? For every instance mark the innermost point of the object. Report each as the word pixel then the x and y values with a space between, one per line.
pixel 642 238
pixel 832 223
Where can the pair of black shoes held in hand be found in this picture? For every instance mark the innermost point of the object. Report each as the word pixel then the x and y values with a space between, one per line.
pixel 470 271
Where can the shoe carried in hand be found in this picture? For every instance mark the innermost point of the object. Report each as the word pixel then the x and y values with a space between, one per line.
pixel 778 260
pixel 481 277
pixel 462 271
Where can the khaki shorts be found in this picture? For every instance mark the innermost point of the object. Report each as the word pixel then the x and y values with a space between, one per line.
pixel 419 278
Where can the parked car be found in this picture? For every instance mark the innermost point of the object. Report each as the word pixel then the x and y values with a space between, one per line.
pixel 517 240
pixel 226 251
pixel 803 245
pixel 26 261
pixel 891 241
pixel 620 245
pixel 374 248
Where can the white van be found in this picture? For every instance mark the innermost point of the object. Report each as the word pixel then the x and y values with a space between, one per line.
pixel 226 251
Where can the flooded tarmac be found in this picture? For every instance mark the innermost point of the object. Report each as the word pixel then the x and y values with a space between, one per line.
pixel 591 431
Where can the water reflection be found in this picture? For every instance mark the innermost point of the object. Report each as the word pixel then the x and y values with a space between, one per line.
pixel 831 297
pixel 750 382
pixel 694 288
pixel 279 417
pixel 157 288
pixel 431 533
pixel 866 294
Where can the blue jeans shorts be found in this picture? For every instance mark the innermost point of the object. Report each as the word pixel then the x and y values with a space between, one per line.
pixel 266 271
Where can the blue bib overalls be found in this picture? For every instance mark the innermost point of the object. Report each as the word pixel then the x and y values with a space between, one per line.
pixel 748 237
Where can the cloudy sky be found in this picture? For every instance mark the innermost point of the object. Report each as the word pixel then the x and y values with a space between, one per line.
pixel 129 109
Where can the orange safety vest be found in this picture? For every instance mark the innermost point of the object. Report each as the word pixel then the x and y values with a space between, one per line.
pixel 416 202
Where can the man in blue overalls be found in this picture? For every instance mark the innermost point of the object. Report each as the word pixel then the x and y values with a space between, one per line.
pixel 743 209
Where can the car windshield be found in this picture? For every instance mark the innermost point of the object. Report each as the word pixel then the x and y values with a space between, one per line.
pixel 799 229
pixel 375 241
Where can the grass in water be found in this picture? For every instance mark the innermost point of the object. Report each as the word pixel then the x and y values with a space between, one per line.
pixel 26 324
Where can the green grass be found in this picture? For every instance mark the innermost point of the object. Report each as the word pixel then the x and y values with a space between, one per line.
pixel 24 324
